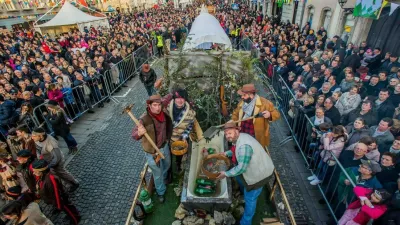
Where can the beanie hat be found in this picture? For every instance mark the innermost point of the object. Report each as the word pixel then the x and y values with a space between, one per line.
pixel 40 165
pixel 180 93
pixel 14 192
pixel 24 153
pixel 39 130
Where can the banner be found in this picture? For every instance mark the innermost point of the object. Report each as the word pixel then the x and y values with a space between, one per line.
pixel 368 8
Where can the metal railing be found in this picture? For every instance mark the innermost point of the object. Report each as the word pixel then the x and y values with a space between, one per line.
pixel 336 195
pixel 94 90
pixel 302 130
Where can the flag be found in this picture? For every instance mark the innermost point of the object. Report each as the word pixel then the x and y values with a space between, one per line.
pixel 83 2
pixel 393 7
pixel 384 4
pixel 368 8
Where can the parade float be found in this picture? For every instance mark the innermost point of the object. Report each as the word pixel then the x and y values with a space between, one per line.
pixel 212 78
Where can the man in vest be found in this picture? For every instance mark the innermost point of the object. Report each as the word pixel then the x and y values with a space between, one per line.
pixel 160 44
pixel 251 105
pixel 183 118
pixel 158 125
pixel 252 167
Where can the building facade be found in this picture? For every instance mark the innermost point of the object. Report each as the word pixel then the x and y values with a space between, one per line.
pixel 320 13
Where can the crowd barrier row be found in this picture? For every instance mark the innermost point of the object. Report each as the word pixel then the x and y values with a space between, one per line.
pixel 94 91
pixel 335 193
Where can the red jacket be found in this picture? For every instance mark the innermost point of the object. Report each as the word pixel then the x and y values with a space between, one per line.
pixel 57 96
pixel 366 213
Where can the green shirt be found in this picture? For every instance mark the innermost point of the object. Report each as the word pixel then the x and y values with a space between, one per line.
pixel 244 154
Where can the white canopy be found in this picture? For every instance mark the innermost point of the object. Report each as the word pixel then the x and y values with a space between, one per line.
pixel 70 15
pixel 206 29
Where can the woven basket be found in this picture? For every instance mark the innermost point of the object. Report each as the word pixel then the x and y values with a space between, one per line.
pixel 211 175
pixel 182 144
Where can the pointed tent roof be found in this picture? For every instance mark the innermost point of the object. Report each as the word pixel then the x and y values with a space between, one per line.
pixel 68 15
pixel 205 29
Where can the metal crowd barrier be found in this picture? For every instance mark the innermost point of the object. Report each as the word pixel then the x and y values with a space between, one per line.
pixel 300 127
pixel 335 194
pixel 121 72
pixel 82 98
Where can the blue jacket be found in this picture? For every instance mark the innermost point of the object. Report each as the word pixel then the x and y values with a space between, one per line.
pixel 68 96
pixel 7 112
pixel 372 183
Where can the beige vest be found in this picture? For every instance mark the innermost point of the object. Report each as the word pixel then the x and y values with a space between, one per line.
pixel 261 165
pixel 188 117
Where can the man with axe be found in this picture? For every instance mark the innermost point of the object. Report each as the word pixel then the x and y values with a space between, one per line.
pixel 253 104
pixel 157 125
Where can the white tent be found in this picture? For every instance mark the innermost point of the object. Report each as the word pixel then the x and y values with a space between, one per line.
pixel 205 30
pixel 69 16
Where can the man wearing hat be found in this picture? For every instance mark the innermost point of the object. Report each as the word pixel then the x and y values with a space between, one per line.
pixel 51 191
pixel 148 77
pixel 183 118
pixel 158 125
pixel 50 152
pixel 25 172
pixel 252 167
pixel 252 104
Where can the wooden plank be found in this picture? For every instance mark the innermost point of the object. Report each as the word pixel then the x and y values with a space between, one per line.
pixel 274 223
pixel 270 220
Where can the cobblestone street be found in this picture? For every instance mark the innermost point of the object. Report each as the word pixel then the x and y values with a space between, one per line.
pixel 109 161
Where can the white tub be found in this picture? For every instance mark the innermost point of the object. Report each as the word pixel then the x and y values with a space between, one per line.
pixel 222 198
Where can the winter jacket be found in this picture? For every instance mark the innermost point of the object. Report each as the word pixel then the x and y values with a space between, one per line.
pixel 331 147
pixel 345 86
pixel 356 135
pixel 374 63
pixel 7 112
pixel 148 78
pixel 59 124
pixel 57 96
pixel 386 109
pixel 347 103
pixel 334 115
pixel 370 117
pixel 68 96
pixel 344 190
pixel 383 141
pixel 352 61
pixel 366 213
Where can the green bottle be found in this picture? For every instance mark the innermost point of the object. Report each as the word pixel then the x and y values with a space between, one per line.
pixel 205 182
pixel 203 191
pixel 211 151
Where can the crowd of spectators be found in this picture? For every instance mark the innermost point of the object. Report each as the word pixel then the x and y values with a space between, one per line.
pixel 46 82
pixel 351 95
pixel 70 68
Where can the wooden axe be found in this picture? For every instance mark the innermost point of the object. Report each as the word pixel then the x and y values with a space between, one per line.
pixel 127 110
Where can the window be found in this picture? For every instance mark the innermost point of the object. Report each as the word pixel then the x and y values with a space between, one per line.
pixel 310 16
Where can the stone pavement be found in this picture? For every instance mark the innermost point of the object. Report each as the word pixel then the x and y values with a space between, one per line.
pixel 303 197
pixel 109 161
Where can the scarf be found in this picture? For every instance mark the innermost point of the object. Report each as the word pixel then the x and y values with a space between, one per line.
pixel 159 117
pixel 248 108
pixel 395 151
pixel 177 112
pixel 378 133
